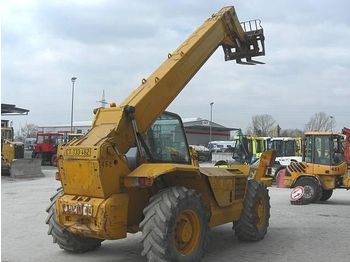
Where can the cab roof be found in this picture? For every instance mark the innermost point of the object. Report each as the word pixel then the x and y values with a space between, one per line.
pixel 321 133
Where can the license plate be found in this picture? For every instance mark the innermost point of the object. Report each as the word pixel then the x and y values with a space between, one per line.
pixel 82 152
pixel 78 209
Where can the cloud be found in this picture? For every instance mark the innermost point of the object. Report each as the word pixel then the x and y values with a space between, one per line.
pixel 112 45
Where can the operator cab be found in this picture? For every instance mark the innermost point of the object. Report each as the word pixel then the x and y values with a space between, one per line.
pixel 6 133
pixel 284 146
pixel 166 141
pixel 323 148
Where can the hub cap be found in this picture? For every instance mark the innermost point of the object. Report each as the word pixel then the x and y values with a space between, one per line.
pixel 260 213
pixel 308 192
pixel 187 231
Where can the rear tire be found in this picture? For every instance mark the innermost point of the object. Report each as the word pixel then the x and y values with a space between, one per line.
pixel 54 160
pixel 254 220
pixel 175 226
pixel 221 163
pixel 66 240
pixel 326 194
pixel 312 191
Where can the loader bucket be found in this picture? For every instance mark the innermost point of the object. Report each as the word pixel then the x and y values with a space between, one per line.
pixel 23 168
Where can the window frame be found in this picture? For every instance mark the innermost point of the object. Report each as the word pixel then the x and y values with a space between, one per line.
pixel 181 126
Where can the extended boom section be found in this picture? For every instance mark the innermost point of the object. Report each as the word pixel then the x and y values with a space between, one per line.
pixel 156 92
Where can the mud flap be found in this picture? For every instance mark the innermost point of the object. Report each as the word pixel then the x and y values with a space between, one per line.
pixel 23 168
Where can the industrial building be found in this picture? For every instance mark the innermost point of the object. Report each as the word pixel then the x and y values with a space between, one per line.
pixel 197 130
pixel 79 127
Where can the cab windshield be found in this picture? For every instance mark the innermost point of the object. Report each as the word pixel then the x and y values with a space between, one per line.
pixel 166 141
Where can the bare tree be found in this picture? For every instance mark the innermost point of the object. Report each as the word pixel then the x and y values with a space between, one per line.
pixel 292 132
pixel 320 122
pixel 262 125
pixel 28 131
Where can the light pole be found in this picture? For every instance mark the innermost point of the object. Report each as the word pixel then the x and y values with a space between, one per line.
pixel 331 117
pixel 211 119
pixel 71 113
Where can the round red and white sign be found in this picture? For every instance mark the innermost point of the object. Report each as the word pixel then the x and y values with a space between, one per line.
pixel 297 193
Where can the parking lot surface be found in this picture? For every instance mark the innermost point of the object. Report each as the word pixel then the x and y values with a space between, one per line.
pixel 317 232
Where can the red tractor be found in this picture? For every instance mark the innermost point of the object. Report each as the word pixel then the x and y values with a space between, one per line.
pixel 46 147
pixel 346 132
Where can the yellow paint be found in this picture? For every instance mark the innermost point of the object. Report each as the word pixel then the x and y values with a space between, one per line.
pixel 94 167
pixel 7 153
pixel 108 221
pixel 346 179
pixel 187 231
pixel 327 175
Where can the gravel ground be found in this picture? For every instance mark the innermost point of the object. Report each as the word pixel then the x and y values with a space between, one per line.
pixel 317 232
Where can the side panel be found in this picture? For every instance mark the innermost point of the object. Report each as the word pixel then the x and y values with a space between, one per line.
pixel 327 182
pixel 8 153
pixel 227 194
pixel 227 188
pixel 346 180
pixel 327 175
pixel 91 171
pixel 222 191
pixel 218 214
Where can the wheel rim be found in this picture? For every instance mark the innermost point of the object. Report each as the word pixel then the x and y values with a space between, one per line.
pixel 187 231
pixel 308 192
pixel 260 213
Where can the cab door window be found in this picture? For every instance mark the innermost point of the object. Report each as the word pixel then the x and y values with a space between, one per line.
pixel 338 151
pixel 322 150
pixel 308 149
pixel 166 140
pixel 290 147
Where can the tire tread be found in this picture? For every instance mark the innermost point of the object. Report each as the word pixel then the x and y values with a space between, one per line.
pixel 157 217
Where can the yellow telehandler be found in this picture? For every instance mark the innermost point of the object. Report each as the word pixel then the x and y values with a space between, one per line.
pixel 133 171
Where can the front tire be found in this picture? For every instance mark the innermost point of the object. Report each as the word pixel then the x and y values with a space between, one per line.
pixel 312 191
pixel 66 240
pixel 254 220
pixel 326 194
pixel 175 226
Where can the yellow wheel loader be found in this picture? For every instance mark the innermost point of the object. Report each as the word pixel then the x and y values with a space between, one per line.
pixel 322 170
pixel 10 149
pixel 133 171
pixel 12 157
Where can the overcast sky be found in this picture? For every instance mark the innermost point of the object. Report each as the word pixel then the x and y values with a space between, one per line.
pixel 112 45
